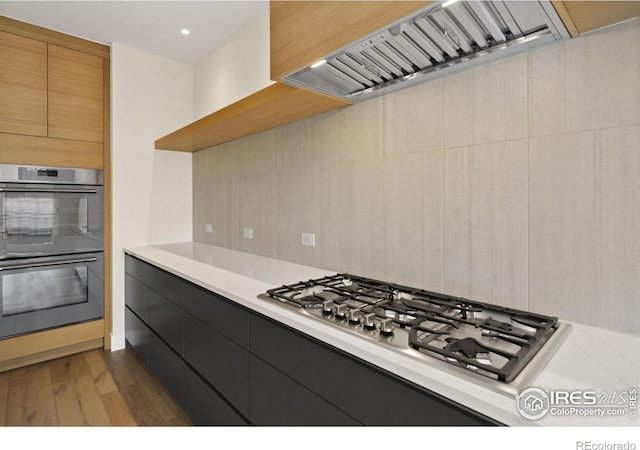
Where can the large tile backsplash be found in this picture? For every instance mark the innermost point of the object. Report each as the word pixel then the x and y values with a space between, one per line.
pixel 485 217
pixel 486 104
pixel 586 83
pixel 515 183
pixel 584 226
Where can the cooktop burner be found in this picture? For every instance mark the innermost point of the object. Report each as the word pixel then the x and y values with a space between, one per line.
pixel 493 341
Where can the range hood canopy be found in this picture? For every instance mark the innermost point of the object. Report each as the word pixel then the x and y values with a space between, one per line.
pixel 442 38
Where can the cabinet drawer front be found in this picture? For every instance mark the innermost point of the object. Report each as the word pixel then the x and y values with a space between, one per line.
pixel 276 399
pixel 135 294
pixel 204 406
pixel 167 366
pixel 348 383
pixel 164 283
pixel 221 362
pixel 137 269
pixel 166 319
pixel 219 313
pixel 137 334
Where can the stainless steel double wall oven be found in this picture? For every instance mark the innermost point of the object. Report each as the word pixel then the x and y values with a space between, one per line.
pixel 51 247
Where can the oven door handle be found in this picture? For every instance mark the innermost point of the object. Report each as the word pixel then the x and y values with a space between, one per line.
pixel 51 191
pixel 50 263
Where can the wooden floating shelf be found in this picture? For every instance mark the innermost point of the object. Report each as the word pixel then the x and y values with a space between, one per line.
pixel 270 107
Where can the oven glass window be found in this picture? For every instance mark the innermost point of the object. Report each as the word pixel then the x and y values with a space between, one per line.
pixel 44 216
pixel 30 291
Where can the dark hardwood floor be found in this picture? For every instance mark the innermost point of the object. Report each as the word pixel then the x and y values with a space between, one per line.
pixel 94 388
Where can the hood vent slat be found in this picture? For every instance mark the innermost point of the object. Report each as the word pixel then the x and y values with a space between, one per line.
pixel 440 38
pixel 386 69
pixel 424 43
pixel 475 29
pixel 437 39
pixel 489 20
pixel 452 31
pixel 393 55
pixel 505 15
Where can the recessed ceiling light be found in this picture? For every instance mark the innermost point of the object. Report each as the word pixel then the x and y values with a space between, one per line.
pixel 185 31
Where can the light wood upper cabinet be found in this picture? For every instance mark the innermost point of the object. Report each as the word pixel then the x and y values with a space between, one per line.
pixel 76 95
pixel 302 32
pixel 583 16
pixel 54 97
pixel 23 85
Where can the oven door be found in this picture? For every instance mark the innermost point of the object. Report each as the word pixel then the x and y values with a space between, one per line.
pixel 49 219
pixel 41 293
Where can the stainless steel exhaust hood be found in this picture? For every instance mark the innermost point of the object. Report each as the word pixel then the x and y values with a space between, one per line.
pixel 442 38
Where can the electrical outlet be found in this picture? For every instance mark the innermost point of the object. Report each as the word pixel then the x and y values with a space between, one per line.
pixel 248 233
pixel 309 239
pixel 208 228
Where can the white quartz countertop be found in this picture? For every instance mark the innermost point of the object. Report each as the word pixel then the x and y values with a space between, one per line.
pixel 601 368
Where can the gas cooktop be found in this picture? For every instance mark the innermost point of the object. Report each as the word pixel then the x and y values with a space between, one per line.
pixel 493 342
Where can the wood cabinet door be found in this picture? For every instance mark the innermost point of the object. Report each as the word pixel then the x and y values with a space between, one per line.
pixel 23 85
pixel 75 95
pixel 584 16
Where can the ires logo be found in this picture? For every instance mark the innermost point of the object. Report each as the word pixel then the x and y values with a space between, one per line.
pixel 573 398
pixel 534 403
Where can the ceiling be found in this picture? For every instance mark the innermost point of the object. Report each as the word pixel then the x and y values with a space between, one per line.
pixel 152 26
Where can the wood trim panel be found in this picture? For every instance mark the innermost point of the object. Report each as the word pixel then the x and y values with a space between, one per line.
pixel 592 15
pixel 108 305
pixel 35 150
pixel 53 37
pixel 561 9
pixel 273 106
pixel 35 347
pixel 305 31
pixel 53 354
pixel 23 85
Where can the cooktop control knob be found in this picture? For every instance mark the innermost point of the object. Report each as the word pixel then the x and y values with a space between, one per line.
pixel 327 307
pixel 340 311
pixel 354 315
pixel 385 326
pixel 369 321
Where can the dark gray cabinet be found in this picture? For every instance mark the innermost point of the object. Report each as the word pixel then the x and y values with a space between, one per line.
pixel 277 399
pixel 220 361
pixel 205 406
pixel 136 297
pixel 166 364
pixel 166 319
pixel 206 372
pixel 137 333
pixel 362 391
pixel 227 365
pixel 218 313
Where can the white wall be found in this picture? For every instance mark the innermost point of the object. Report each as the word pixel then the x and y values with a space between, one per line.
pixel 152 190
pixel 235 69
